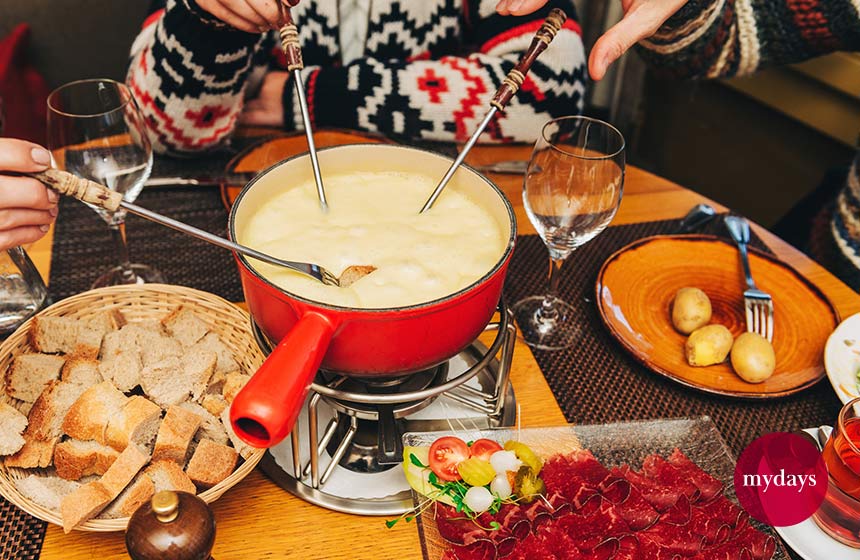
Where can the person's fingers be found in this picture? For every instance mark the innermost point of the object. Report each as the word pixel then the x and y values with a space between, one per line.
pixel 21 236
pixel 20 155
pixel 19 217
pixel 246 11
pixel 257 114
pixel 25 192
pixel 267 10
pixel 228 16
pixel 640 22
pixel 519 7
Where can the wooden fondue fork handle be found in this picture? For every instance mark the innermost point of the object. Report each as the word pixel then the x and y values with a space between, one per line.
pixel 510 85
pixel 543 37
pixel 83 189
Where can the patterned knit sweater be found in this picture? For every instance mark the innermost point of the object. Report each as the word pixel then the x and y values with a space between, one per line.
pixel 715 38
pixel 429 70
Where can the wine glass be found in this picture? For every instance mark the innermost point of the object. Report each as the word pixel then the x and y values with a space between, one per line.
pixel 571 192
pixel 96 131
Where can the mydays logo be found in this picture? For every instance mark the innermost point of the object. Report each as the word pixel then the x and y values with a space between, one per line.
pixel 781 479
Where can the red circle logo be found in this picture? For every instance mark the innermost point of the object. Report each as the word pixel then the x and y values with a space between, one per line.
pixel 781 479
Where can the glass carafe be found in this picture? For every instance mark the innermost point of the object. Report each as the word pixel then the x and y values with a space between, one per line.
pixel 22 291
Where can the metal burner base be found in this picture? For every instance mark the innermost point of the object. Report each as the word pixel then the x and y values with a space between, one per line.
pixel 487 392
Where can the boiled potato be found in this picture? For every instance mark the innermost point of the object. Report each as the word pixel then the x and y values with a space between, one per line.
pixel 708 345
pixel 691 309
pixel 753 358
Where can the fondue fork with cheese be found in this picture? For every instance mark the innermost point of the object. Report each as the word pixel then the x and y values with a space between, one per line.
pixel 372 220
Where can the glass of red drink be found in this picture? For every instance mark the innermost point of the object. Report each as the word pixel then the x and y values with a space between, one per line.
pixel 839 514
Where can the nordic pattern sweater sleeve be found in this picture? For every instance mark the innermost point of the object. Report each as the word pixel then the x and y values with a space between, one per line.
pixel 191 76
pixel 718 38
pixel 188 74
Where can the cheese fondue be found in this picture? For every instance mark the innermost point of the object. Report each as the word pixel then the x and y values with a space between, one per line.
pixel 373 220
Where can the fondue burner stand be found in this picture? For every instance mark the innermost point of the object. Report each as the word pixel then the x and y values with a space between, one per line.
pixel 354 425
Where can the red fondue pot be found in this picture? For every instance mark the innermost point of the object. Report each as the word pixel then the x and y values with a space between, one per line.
pixel 350 341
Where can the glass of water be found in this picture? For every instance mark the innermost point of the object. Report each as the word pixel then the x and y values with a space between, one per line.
pixel 571 192
pixel 96 131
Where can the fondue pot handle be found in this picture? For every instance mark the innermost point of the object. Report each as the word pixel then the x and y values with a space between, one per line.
pixel 540 42
pixel 265 410
pixel 83 189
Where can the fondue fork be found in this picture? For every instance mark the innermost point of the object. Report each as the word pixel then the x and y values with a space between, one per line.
pixel 289 34
pixel 99 195
pixel 510 85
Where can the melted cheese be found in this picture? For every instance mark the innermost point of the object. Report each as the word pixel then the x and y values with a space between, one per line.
pixel 373 219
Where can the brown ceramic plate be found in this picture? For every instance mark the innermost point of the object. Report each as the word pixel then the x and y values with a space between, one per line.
pixel 270 151
pixel 636 286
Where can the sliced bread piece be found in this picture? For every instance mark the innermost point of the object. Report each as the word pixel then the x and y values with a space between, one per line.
pixel 155 348
pixel 164 383
pixel 243 448
pixel 211 463
pixel 233 384
pixel 117 343
pixel 92 332
pixel 198 365
pixel 216 382
pixel 210 428
pixel 151 325
pixel 212 342
pixel 12 425
pixel 135 495
pixel 30 373
pixel 214 404
pixel 88 417
pixel 47 491
pixel 44 425
pixel 54 335
pixel 83 371
pixel 185 326
pixel 136 422
pixel 125 468
pixel 91 498
pixel 75 459
pixel 82 504
pixel 175 434
pixel 167 475
pixel 123 370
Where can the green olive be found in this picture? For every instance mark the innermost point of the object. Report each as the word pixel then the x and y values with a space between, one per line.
pixel 708 345
pixel 753 358
pixel 691 309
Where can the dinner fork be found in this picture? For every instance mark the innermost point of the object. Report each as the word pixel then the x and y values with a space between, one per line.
pixel 758 305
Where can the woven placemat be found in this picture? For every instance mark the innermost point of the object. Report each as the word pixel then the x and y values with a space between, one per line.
pixel 83 249
pixel 21 534
pixel 597 381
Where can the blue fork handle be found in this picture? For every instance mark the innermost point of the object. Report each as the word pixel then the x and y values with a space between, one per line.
pixel 739 229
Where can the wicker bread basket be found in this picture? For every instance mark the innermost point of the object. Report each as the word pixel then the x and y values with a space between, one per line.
pixel 137 303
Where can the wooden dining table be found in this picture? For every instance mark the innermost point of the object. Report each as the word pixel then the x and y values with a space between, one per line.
pixel 257 519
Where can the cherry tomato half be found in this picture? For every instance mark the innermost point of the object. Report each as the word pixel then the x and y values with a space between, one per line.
pixel 446 454
pixel 483 448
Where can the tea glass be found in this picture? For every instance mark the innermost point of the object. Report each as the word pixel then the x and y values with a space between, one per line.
pixel 839 514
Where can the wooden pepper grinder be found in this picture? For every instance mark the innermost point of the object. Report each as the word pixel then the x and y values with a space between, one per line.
pixel 171 526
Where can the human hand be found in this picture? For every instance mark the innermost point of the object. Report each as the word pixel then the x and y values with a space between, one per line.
pixel 642 18
pixel 253 16
pixel 267 109
pixel 27 207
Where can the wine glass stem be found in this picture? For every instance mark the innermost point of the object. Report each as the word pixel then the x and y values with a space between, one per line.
pixel 548 311
pixel 117 230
